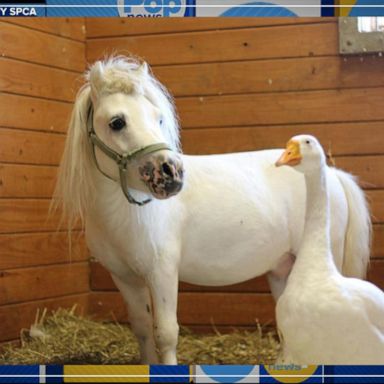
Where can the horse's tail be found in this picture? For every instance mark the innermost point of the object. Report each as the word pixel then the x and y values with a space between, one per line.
pixel 359 230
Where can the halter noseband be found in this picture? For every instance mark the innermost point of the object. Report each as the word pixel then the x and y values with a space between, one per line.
pixel 122 161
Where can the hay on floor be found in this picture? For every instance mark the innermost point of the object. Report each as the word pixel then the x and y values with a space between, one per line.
pixel 67 338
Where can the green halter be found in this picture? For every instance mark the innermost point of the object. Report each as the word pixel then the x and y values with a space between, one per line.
pixel 122 161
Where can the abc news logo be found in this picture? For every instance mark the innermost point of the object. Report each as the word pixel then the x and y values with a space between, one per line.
pixel 151 8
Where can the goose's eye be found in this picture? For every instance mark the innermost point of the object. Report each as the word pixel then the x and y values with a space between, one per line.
pixel 117 123
pixel 161 121
pixel 308 142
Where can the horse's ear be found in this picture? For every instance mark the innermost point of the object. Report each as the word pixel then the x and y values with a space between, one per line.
pixel 96 75
pixel 143 69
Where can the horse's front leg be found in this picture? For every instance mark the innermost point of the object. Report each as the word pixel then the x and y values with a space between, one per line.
pixel 163 283
pixel 136 294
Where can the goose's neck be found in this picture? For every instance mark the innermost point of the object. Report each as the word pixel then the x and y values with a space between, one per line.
pixel 315 250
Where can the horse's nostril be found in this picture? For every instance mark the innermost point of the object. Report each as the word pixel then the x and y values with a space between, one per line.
pixel 167 169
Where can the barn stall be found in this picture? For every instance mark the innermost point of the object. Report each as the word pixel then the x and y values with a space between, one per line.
pixel 238 86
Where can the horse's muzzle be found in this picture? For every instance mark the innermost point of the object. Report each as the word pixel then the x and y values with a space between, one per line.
pixel 163 175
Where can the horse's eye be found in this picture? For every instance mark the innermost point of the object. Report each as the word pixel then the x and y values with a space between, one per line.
pixel 117 124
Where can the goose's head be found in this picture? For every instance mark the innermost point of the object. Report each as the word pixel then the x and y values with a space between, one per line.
pixel 304 153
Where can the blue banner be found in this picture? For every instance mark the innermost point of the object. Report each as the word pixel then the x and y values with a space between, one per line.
pixel 19 374
pixel 197 373
pixel 169 373
pixel 189 8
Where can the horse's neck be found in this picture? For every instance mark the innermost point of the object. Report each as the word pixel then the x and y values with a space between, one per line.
pixel 113 211
pixel 110 203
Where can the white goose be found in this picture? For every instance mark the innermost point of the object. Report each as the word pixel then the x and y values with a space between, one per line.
pixel 323 317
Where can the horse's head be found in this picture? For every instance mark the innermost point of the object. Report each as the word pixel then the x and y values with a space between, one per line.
pixel 131 111
pixel 124 123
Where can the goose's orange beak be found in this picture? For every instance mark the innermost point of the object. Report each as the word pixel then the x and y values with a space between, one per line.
pixel 291 156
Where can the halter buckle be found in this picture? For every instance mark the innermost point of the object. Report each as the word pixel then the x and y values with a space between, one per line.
pixel 122 162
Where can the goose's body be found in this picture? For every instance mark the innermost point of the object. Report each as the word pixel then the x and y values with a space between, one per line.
pixel 331 320
pixel 322 316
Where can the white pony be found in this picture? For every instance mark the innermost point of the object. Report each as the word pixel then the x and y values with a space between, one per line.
pixel 236 216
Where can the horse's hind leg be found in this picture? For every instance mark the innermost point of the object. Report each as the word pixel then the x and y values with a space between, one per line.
pixel 277 278
pixel 137 297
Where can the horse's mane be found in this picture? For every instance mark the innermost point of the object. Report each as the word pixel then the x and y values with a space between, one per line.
pixel 75 186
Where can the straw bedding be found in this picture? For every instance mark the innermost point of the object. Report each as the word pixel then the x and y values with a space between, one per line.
pixel 64 337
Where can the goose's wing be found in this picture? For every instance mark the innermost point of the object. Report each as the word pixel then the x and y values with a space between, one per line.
pixel 371 299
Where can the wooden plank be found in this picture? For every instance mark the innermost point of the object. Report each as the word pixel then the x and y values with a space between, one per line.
pixel 27 181
pixel 20 215
pixel 227 45
pixel 15 317
pixel 34 249
pixel 100 278
pixel 39 47
pixel 226 308
pixel 306 73
pixel 376 199
pixel 38 181
pixel 282 108
pixel 258 284
pixel 378 241
pixel 212 329
pixel 198 308
pixel 101 281
pixel 376 273
pixel 73 28
pixel 30 147
pixel 340 138
pixel 34 114
pixel 369 169
pixel 102 27
pixel 19 285
pixel 230 309
pixel 36 80
pixel 27 215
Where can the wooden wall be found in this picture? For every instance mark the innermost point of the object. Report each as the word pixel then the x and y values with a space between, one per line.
pixel 41 61
pixel 247 84
pixel 239 84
